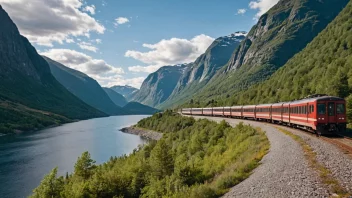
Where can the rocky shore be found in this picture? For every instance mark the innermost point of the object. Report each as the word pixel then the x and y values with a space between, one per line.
pixel 142 132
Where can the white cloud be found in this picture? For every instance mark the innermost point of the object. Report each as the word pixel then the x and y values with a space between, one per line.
pixel 146 69
pixel 241 11
pixel 262 6
pixel 90 9
pixel 106 75
pixel 121 20
pixel 49 21
pixel 87 46
pixel 98 41
pixel 119 80
pixel 170 52
pixel 82 62
pixel 69 40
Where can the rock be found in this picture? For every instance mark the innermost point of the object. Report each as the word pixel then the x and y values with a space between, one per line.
pixel 143 133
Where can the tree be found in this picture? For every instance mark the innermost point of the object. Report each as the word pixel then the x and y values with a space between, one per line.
pixel 161 160
pixel 50 186
pixel 84 166
pixel 349 108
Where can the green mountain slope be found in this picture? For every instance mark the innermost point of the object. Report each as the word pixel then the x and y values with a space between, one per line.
pixel 198 74
pixel 25 78
pixel 158 86
pixel 279 34
pixel 117 98
pixel 136 108
pixel 84 87
pixel 324 66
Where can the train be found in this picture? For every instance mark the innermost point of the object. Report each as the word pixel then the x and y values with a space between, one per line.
pixel 321 114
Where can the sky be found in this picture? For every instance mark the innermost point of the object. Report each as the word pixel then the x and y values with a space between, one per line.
pixel 120 42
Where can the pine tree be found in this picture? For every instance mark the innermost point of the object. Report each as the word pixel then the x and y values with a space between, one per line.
pixel 84 166
pixel 50 186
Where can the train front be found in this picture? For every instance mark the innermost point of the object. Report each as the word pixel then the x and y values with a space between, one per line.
pixel 331 115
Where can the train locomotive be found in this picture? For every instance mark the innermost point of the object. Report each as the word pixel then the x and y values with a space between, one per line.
pixel 321 114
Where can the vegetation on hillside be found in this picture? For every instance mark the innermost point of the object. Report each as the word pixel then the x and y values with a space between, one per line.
pixel 30 96
pixel 324 66
pixel 193 159
pixel 15 118
pixel 280 34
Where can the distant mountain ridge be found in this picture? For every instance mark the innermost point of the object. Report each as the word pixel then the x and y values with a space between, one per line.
pixel 84 87
pixel 198 73
pixel 117 98
pixel 126 91
pixel 158 86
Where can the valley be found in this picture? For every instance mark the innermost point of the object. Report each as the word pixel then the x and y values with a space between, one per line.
pixel 214 99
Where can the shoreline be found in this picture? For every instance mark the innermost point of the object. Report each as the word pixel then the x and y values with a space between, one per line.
pixel 149 134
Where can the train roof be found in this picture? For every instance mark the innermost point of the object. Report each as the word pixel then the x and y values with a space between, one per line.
pixel 322 98
pixel 236 106
pixel 264 105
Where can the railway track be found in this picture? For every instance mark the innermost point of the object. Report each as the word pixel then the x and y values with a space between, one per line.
pixel 341 141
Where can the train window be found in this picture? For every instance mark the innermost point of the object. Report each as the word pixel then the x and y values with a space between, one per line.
pixel 321 109
pixel 340 108
pixel 331 108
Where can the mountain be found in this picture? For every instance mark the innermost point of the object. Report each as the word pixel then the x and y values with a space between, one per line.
pixel 198 74
pixel 324 66
pixel 158 86
pixel 279 34
pixel 26 81
pixel 84 87
pixel 127 91
pixel 117 98
pixel 136 108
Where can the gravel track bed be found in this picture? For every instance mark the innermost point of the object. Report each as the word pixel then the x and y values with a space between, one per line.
pixel 284 171
pixel 331 157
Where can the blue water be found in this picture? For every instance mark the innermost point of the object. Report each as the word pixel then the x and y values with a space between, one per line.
pixel 25 158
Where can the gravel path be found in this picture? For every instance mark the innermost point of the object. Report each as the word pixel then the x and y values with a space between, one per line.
pixel 331 157
pixel 284 171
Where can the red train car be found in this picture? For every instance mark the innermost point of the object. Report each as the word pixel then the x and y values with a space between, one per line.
pixel 187 111
pixel 248 111
pixel 227 111
pixel 322 114
pixel 208 111
pixel 263 112
pixel 218 111
pixel 236 111
pixel 197 111
pixel 277 111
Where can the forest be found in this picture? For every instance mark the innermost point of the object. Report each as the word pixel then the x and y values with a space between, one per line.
pixel 195 158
